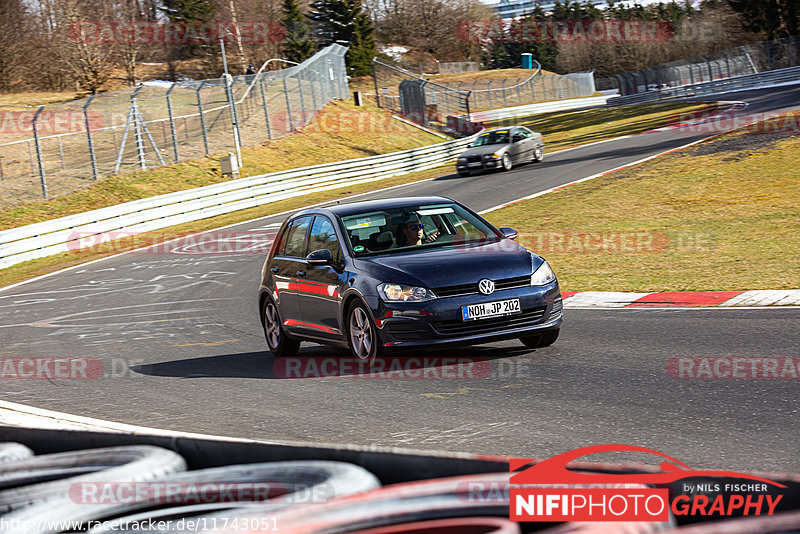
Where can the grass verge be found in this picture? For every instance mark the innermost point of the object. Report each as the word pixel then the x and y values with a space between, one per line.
pixel 724 215
pixel 42 266
pixel 341 131
pixel 567 129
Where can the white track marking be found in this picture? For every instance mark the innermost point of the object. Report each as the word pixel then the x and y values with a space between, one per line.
pixel 601 299
pixel 768 297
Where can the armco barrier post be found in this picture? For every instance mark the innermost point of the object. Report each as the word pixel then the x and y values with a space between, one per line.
pixel 39 152
pixel 172 123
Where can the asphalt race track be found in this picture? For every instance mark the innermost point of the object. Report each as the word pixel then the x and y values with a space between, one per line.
pixel 181 347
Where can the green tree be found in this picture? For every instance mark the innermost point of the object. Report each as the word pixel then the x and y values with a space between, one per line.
pixel 298 45
pixel 345 22
pixel 772 18
pixel 190 12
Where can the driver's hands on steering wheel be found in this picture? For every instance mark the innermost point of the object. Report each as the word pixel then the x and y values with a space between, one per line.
pixel 432 237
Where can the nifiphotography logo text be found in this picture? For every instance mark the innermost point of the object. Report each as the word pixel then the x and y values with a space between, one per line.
pixel 548 491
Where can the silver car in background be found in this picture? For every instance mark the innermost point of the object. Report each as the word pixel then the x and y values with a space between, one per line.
pixel 501 148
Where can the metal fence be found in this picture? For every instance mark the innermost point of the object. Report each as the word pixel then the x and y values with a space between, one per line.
pixel 457 67
pixel 739 61
pixel 443 100
pixel 62 148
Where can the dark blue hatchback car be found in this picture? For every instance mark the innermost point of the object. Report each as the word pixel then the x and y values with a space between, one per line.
pixel 404 272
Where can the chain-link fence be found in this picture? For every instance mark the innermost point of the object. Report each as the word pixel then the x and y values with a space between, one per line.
pixel 457 67
pixel 62 148
pixel 738 61
pixel 460 99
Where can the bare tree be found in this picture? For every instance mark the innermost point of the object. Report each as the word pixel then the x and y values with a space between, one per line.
pixel 15 52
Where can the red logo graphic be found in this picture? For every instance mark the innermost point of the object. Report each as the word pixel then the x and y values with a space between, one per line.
pixel 531 503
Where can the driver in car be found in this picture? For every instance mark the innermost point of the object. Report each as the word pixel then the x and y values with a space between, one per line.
pixel 412 232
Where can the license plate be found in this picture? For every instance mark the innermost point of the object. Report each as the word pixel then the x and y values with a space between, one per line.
pixel 478 164
pixel 490 309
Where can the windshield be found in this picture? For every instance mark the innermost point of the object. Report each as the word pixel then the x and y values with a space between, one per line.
pixel 498 137
pixel 414 227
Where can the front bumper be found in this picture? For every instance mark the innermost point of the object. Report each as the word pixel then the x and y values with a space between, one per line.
pixel 439 321
pixel 483 165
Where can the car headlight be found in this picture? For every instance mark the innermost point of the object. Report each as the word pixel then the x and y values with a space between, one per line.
pixel 490 156
pixel 543 275
pixel 403 293
pixel 462 160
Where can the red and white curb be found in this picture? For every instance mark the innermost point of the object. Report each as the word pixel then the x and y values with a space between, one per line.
pixel 730 299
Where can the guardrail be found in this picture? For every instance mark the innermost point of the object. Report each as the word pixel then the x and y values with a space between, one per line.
pixel 791 74
pixel 64 234
pixel 530 109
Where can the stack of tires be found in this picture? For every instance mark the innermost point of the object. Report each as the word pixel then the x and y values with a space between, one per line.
pixel 83 491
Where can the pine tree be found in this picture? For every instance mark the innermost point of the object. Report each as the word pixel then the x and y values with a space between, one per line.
pixel 345 22
pixel 191 12
pixel 297 42
pixel 362 48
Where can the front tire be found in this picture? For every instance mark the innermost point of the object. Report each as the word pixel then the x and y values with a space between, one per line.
pixel 505 162
pixel 277 342
pixel 362 335
pixel 538 154
pixel 539 341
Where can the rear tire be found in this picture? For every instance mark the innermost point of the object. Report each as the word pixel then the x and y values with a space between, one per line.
pixel 362 336
pixel 538 154
pixel 277 341
pixel 538 341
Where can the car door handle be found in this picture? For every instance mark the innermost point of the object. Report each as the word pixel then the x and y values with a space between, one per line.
pixel 301 273
pixel 275 270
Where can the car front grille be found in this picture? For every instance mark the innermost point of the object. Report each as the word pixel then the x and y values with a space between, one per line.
pixel 473 159
pixel 472 289
pixel 457 327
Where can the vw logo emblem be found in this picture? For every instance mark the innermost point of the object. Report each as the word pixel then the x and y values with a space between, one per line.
pixel 486 286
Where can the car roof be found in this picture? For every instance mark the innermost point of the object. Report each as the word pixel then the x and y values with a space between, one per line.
pixel 503 128
pixel 351 208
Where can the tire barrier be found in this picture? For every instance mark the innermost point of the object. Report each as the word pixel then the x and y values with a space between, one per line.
pixel 29 480
pixel 452 498
pixel 14 451
pixel 282 483
pixel 58 492
pixel 462 525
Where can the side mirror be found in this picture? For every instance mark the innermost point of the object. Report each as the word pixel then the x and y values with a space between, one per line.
pixel 507 232
pixel 516 139
pixel 322 256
